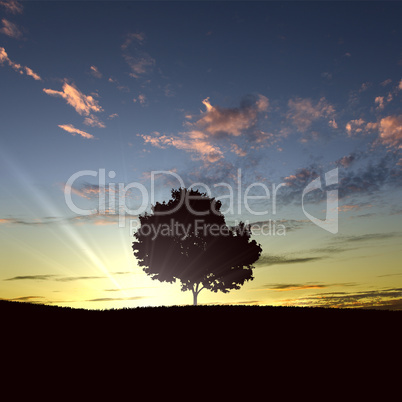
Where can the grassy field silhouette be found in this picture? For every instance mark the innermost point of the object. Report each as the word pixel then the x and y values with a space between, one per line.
pixel 217 316
pixel 213 333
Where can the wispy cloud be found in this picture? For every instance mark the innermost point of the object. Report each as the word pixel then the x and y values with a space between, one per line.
pixel 83 104
pixel 108 299
pixel 17 67
pixel 12 6
pixel 368 237
pixel 206 135
pixel 287 287
pixel 31 277
pixel 268 260
pixel 386 298
pixel 95 72
pixel 349 160
pixel 72 130
pixel 10 29
pixel 94 121
pixel 194 142
pixel 53 278
pixel 303 112
pixel 138 37
pixel 140 62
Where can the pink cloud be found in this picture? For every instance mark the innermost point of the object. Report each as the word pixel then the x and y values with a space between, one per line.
pixel 346 161
pixel 10 29
pixel 193 141
pixel 132 37
pixel 354 126
pixel 93 121
pixel 12 6
pixel 142 99
pixel 238 151
pixel 303 112
pixel 232 121
pixel 83 104
pixel 390 129
pixel 95 72
pixel 72 130
pixel 214 124
pixel 17 67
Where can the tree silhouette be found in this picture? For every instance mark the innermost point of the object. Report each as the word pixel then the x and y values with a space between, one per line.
pixel 187 239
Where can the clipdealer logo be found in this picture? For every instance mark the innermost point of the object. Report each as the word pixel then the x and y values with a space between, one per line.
pixel 330 223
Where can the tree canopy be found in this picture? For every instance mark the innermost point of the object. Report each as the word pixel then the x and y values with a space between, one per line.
pixel 187 239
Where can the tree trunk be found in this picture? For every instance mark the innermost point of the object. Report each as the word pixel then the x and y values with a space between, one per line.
pixel 195 294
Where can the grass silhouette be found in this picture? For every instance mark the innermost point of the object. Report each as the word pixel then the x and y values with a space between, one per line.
pixel 213 333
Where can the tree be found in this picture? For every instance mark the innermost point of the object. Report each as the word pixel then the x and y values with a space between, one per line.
pixel 188 240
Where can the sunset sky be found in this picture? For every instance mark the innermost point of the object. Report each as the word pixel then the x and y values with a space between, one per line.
pixel 241 93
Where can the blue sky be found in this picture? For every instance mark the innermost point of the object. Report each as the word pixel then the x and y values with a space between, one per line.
pixel 284 91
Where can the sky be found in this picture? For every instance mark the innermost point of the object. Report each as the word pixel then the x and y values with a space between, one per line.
pixel 107 106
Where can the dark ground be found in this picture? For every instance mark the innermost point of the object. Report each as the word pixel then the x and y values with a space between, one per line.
pixel 287 341
pixel 157 322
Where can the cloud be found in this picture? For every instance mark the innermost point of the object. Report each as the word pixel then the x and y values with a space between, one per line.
pixel 358 126
pixel 15 221
pixel 78 278
pixel 354 126
pixel 109 217
pixel 83 104
pixel 30 299
pixel 94 121
pixel 141 99
pixel 268 260
pixel 217 124
pixel 286 287
pixel 32 74
pixel 368 237
pixel 31 277
pixel 386 298
pixel 232 121
pixel 112 116
pixel 10 29
pixel 371 178
pixel 390 129
pixel 372 175
pixel 302 112
pixel 290 224
pixel 12 6
pixel 238 151
pixel 140 64
pixel 332 123
pixel 290 287
pixel 194 142
pixel 347 160
pixel 53 277
pixel 138 37
pixel 108 299
pixel 302 177
pixel 139 61
pixel 95 72
pixel 17 67
pixel 386 82
pixel 379 100
pixel 365 86
pixel 72 130
pixel 351 207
